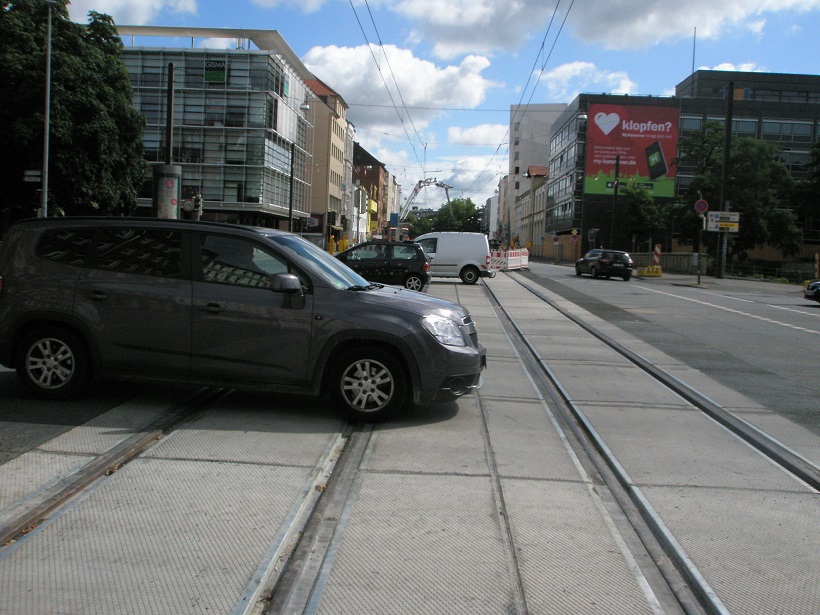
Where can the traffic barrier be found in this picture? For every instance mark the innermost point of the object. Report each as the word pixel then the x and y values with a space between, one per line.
pixel 506 260
pixel 653 271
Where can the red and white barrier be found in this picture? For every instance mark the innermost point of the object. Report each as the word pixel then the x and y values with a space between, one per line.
pixel 506 260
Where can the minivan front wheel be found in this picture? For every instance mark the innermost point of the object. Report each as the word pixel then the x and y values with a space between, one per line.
pixel 469 275
pixel 53 363
pixel 368 385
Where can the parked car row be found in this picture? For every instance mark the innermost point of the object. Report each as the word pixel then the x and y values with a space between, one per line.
pixel 412 263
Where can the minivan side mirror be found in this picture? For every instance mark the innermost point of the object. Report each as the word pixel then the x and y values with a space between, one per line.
pixel 291 287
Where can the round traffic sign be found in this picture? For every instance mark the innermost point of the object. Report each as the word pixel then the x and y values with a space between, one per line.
pixel 701 206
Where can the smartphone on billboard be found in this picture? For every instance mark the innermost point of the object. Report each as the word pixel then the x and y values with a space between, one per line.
pixel 656 161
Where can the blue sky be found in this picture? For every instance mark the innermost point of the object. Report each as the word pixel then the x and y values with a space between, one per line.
pixel 454 67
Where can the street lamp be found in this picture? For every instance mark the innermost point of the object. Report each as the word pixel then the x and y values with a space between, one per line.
pixel 46 128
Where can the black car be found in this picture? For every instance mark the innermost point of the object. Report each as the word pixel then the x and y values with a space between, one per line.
pixel 399 263
pixel 600 263
pixel 812 291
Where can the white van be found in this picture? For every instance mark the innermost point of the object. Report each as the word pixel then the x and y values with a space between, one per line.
pixel 457 255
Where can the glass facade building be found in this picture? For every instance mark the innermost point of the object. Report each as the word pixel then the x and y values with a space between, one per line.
pixel 783 109
pixel 240 129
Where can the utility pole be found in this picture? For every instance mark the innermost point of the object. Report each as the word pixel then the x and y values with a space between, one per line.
pixel 724 179
pixel 614 202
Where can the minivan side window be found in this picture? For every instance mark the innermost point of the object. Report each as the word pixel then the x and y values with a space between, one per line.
pixel 141 251
pixel 67 246
pixel 238 261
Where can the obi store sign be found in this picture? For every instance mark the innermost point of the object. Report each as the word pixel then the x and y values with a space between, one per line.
pixel 641 140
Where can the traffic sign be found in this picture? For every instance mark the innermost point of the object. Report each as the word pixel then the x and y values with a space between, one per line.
pixel 701 206
pixel 727 221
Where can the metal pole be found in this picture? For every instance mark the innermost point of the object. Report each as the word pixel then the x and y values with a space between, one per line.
pixel 290 195
pixel 169 116
pixel 724 179
pixel 614 202
pixel 47 124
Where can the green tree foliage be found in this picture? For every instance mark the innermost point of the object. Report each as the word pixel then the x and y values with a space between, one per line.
pixel 807 191
pixel 643 217
pixel 759 187
pixel 458 215
pixel 418 226
pixel 96 162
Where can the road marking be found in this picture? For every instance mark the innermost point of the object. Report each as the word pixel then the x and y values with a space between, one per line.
pixel 726 309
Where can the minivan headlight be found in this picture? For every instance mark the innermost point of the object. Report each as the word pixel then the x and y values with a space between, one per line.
pixel 444 330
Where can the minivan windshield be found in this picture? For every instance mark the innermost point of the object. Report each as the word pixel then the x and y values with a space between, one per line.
pixel 334 271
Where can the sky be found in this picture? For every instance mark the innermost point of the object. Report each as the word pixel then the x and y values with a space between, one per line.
pixel 429 83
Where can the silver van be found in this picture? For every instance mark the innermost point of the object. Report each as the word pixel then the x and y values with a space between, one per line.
pixel 221 305
pixel 457 255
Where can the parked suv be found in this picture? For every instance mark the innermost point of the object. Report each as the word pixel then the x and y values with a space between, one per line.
pixel 601 263
pixel 401 263
pixel 221 305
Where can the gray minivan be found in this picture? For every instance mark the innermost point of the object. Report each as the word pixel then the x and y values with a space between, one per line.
pixel 222 305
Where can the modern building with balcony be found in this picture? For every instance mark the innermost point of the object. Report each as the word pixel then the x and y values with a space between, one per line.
pixel 241 131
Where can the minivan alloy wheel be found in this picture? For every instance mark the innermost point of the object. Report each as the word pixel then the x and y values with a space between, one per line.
pixel 53 362
pixel 369 384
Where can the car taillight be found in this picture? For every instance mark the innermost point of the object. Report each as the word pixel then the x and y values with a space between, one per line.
pixel 488 261
pixel 426 266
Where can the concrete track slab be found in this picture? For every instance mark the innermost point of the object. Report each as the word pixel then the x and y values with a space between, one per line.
pixel 505 378
pixel 431 447
pixel 570 563
pixel 525 441
pixel 419 543
pixel 31 472
pixel 498 345
pixel 614 384
pixel 736 539
pixel 162 536
pixel 681 446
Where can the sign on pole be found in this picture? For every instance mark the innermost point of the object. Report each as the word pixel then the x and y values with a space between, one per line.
pixel 726 221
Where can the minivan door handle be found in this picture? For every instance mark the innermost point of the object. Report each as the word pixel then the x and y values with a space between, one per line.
pixel 97 295
pixel 214 308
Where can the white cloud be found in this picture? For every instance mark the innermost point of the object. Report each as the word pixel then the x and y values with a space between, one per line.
pixel 128 12
pixel 484 134
pixel 307 6
pixel 629 24
pixel 423 87
pixel 565 82
pixel 745 67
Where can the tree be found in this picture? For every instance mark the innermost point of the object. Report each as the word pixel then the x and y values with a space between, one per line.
pixel 644 218
pixel 759 187
pixel 96 162
pixel 807 191
pixel 418 226
pixel 701 154
pixel 458 215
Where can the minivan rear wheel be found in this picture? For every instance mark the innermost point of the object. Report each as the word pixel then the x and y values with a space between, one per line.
pixel 368 385
pixel 469 275
pixel 53 363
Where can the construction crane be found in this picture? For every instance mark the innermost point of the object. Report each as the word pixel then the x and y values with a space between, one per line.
pixel 422 183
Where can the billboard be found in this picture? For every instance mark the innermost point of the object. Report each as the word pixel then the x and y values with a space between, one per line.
pixel 642 139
